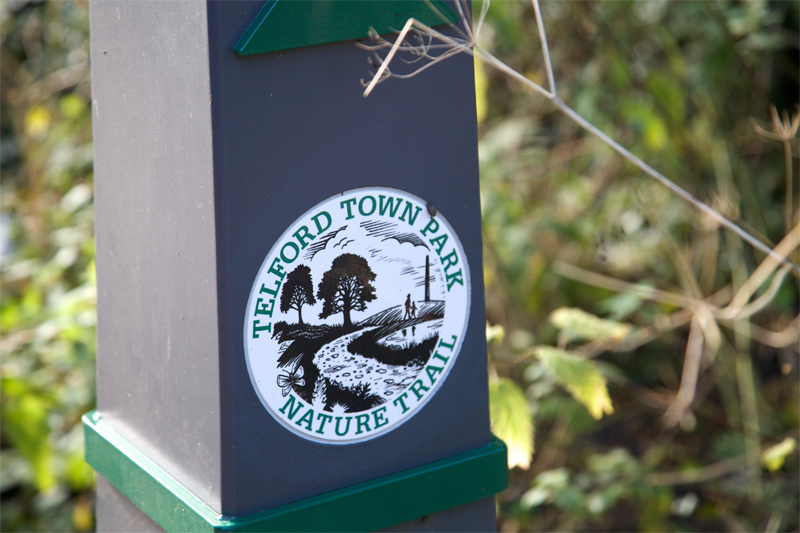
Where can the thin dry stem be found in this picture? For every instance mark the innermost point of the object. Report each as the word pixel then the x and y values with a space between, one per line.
pixel 762 301
pixel 484 11
pixel 545 48
pixel 392 52
pixel 789 337
pixel 599 280
pixel 783 130
pixel 789 204
pixel 699 475
pixel 466 18
pixel 765 269
pixel 691 370
pixel 750 420
pixel 638 338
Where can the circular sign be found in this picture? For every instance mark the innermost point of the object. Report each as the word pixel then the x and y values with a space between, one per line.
pixel 357 315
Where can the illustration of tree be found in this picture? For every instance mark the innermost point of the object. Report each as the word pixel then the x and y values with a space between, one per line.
pixel 346 287
pixel 298 291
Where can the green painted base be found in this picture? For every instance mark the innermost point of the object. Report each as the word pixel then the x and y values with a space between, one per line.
pixel 369 506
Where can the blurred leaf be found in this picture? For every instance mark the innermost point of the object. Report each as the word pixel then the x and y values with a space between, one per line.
pixel 79 474
pixel 494 333
pixel 773 457
pixel 534 498
pixel 545 487
pixel 82 516
pixel 521 339
pixel 668 92
pixel 648 123
pixel 72 105
pixel 617 464
pixel 655 509
pixel 77 197
pixel 619 70
pixel 578 324
pixel 37 122
pixel 580 377
pixel 655 133
pixel 570 499
pixel 26 427
pixel 621 305
pixel 512 421
pixel 14 469
pixel 728 445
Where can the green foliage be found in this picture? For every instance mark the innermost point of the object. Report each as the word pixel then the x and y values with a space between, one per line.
pixel 27 429
pixel 578 324
pixel 580 377
pixel 47 313
pixel 511 420
pixel 677 83
pixel 603 482
pixel 494 333
pixel 773 457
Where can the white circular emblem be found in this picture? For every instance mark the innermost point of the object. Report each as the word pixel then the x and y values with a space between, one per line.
pixel 357 315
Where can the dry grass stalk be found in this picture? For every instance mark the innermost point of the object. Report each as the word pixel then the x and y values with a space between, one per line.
pixel 783 131
pixel 705 315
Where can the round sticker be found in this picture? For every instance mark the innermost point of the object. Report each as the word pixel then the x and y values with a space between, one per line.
pixel 357 315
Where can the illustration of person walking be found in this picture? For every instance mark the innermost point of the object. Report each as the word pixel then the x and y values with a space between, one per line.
pixel 408 307
pixel 413 310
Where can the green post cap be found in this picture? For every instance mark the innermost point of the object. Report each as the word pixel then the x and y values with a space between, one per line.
pixel 286 24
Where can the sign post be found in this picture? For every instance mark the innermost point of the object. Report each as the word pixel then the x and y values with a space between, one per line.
pixel 290 297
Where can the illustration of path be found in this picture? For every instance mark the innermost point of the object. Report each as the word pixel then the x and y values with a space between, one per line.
pixel 340 366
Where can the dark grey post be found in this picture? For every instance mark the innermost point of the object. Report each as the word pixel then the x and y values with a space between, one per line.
pixel 203 158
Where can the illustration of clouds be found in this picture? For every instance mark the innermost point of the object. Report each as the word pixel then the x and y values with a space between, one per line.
pixel 388 230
